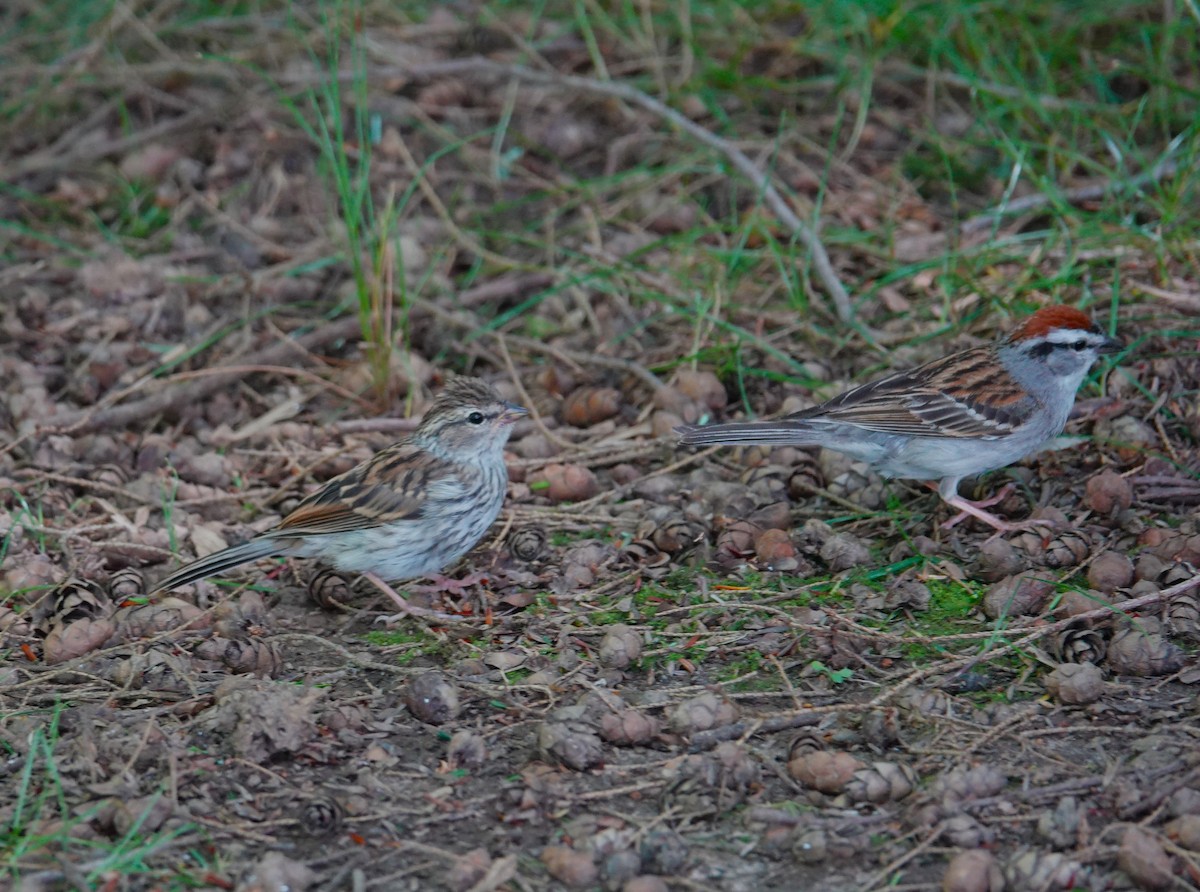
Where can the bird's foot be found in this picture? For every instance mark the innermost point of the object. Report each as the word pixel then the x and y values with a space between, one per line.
pixel 407 608
pixel 967 508
pixel 442 584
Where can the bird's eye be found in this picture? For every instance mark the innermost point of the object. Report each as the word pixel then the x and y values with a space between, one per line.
pixel 475 418
pixel 1079 346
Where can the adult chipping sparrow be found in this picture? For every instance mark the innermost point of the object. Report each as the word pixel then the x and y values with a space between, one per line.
pixel 404 513
pixel 964 414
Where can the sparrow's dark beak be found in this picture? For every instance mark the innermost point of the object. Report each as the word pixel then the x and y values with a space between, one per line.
pixel 512 412
pixel 1112 345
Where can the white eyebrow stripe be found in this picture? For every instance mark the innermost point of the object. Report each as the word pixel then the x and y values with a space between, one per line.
pixel 1070 335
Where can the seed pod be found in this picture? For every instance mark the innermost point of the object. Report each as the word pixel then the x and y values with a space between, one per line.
pixel 76 599
pixel 1183 617
pixel 1107 491
pixel 251 656
pixel 572 744
pixel 974 870
pixel 881 728
pixel 555 380
pixel 466 749
pixel 1185 830
pixel 109 473
pixel 468 870
pixel 736 541
pixel 737 505
pixel 856 486
pixel 590 405
pixel 965 784
pixel 528 543
pixel 1141 588
pixel 13 626
pixel 702 386
pixel 1043 870
pixel 432 698
pixel 1138 648
pixel 1067 549
pixel 824 771
pixel 154 670
pixel 702 713
pixel 128 582
pixel 321 817
pixel 843 551
pixel 345 716
pixel 244 618
pixel 907 593
pixel 620 647
pixel 811 846
pixel 572 868
pixel 1110 571
pixel 808 740
pixel 629 727
pixel 773 516
pixel 964 831
pixel 565 483
pixel 736 768
pixel 881 782
pixel 997 559
pixel 644 553
pixel 1020 595
pixel 1076 683
pixel 1073 603
pixel 663 852
pixel 621 868
pixel 1061 827
pixel 1080 646
pixel 768 482
pixel 677 534
pixel 1142 856
pixel 775 550
pixel 1173 574
pixel 329 589
pixel 1148 566
pixel 69 640
pixel 1032 542
pixel 805 477
pixel 168 615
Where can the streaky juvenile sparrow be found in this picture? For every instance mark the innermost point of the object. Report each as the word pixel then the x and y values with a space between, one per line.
pixel 406 512
pixel 970 412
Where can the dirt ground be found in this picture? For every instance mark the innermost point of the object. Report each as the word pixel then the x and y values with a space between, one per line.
pixel 730 670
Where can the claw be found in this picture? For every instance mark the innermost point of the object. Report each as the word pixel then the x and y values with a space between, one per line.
pixel 967 508
pixel 443 584
pixel 407 608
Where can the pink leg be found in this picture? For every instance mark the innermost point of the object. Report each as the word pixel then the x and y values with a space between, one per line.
pixel 406 608
pixel 446 584
pixel 968 508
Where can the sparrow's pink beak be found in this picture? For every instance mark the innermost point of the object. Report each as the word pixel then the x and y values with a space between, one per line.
pixel 512 413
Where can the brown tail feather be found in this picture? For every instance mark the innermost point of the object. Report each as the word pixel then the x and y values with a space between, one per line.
pixel 748 433
pixel 261 547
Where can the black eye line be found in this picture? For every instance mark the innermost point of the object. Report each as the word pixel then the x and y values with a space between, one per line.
pixel 1047 347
